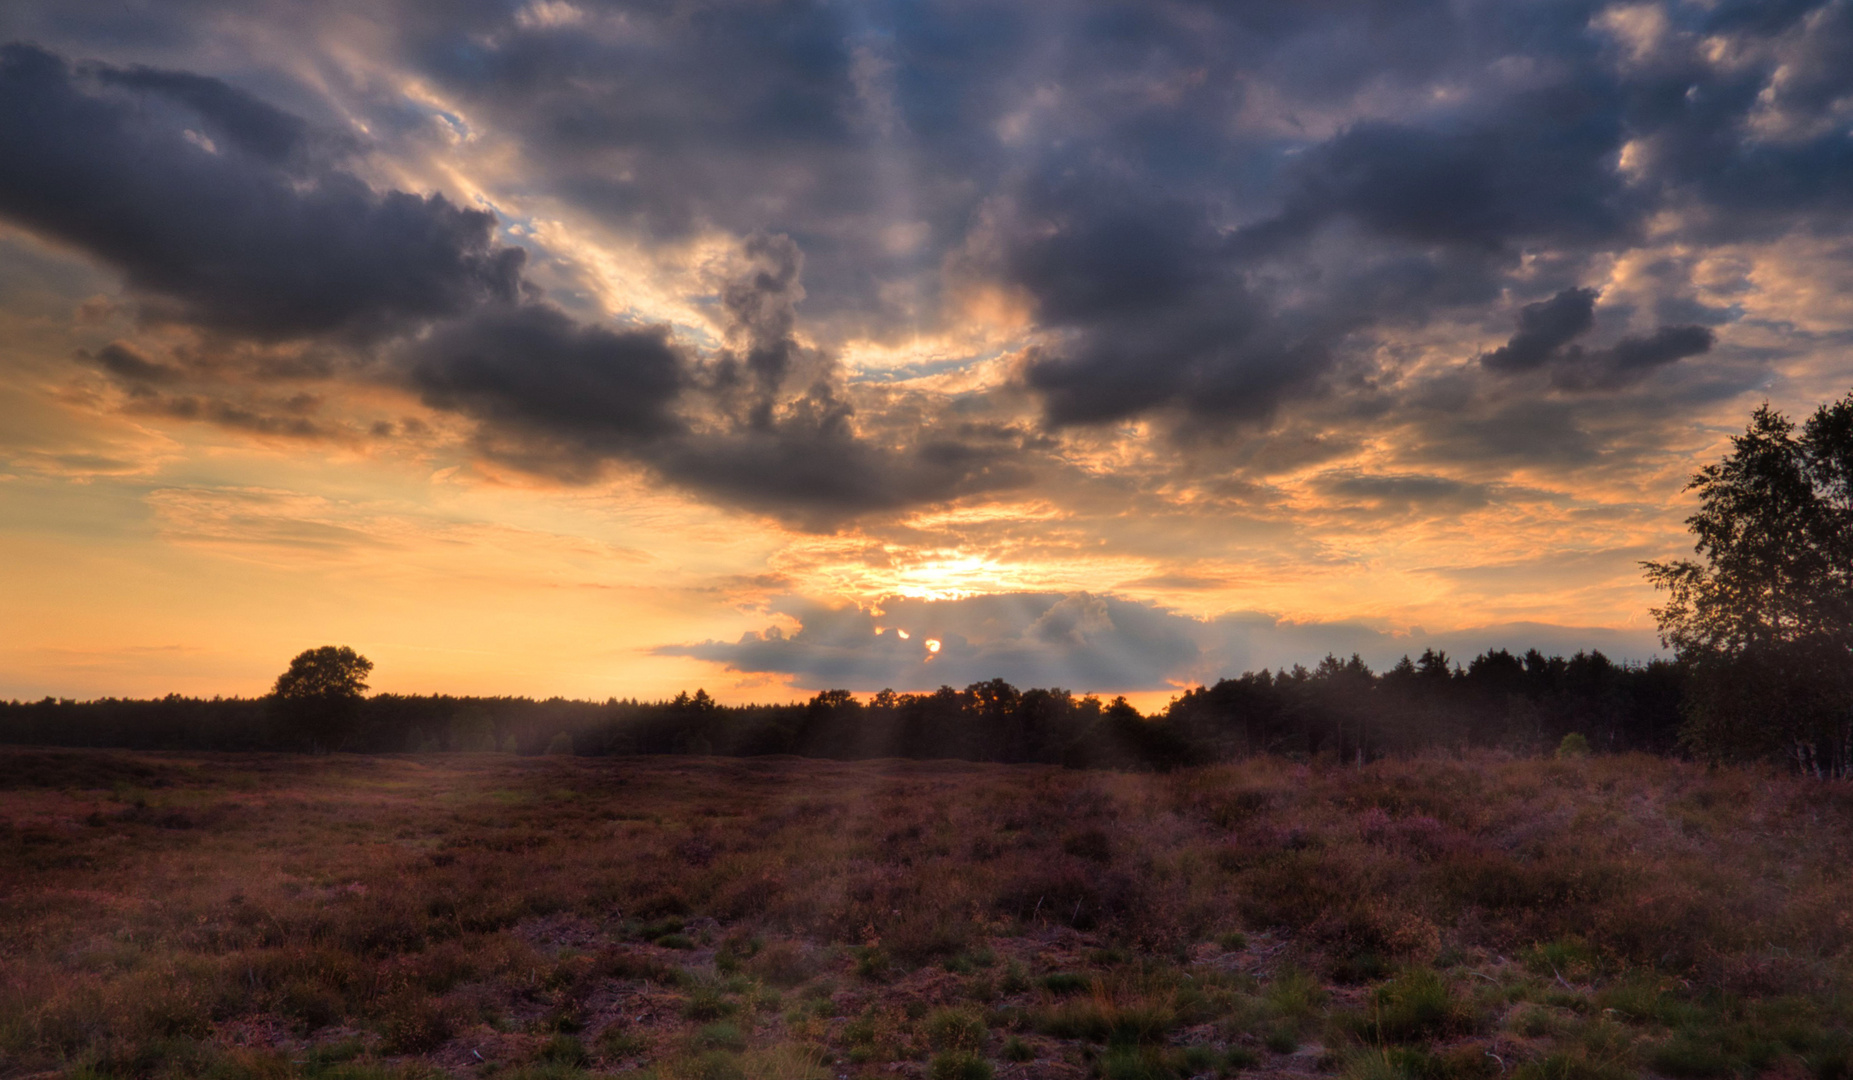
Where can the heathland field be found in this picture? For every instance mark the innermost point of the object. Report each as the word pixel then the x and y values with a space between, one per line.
pixel 478 915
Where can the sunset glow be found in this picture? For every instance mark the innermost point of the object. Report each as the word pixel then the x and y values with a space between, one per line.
pixel 610 350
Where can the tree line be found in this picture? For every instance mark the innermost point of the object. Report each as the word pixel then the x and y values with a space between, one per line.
pixel 1337 709
pixel 1761 625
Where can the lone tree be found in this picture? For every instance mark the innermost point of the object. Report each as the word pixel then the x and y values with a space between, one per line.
pixel 318 698
pixel 1764 625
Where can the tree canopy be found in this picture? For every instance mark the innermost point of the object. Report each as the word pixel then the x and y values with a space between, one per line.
pixel 1764 618
pixel 318 699
pixel 328 672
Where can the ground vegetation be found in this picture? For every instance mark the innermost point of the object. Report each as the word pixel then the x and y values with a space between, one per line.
pixel 1445 917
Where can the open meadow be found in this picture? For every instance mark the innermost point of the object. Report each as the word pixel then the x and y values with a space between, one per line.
pixel 477 915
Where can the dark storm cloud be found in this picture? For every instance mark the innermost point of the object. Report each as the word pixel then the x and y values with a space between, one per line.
pixel 1109 206
pixel 811 471
pixel 1150 313
pixel 223 211
pixel 1165 304
pixel 209 204
pixel 254 126
pixel 1543 329
pixel 564 399
pixel 1169 293
pixel 569 394
pixel 1087 641
pixel 1212 212
pixel 124 361
pixel 1536 168
pixel 1632 358
pixel 762 309
pixel 1547 328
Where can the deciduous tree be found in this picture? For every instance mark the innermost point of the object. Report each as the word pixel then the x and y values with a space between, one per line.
pixel 318 699
pixel 1764 620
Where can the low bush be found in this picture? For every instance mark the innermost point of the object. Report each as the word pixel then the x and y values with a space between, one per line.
pixel 1417 1006
pixel 564 1050
pixel 955 1065
pixel 1618 914
pixel 721 1036
pixel 411 1024
pixel 956 1029
pixel 707 1003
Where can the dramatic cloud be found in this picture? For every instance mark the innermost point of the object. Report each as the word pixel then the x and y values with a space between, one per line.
pixel 225 212
pixel 1085 640
pixel 1241 307
pixel 220 210
pixel 122 360
pixel 1546 328
pixel 1207 214
pixel 567 395
pixel 1147 310
pixel 1044 639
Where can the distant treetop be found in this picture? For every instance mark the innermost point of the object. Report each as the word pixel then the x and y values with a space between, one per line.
pixel 328 672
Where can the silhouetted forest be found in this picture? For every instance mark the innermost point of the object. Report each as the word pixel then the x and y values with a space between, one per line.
pixel 1340 708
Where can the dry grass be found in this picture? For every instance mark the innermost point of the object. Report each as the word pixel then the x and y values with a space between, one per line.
pixel 1443 919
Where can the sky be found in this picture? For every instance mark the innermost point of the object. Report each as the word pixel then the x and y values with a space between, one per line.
pixel 562 347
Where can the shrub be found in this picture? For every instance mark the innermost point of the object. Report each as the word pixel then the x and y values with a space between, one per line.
pixel 783 963
pixel 1138 1020
pixel 617 1042
pixel 871 963
pixel 413 1024
pixel 1239 1058
pixel 1015 980
pixel 1193 1060
pixel 1574 747
pixel 922 936
pixel 1534 1021
pixel 1416 1005
pixel 1062 983
pixel 1361 967
pixel 1071 891
pixel 713 1065
pixel 1604 1051
pixel 959 1066
pixel 564 1050
pixel 1282 1039
pixel 707 1003
pixel 1570 1066
pixel 1294 996
pixel 722 1036
pixel 1690 1055
pixel 311 1005
pixel 657 929
pixel 1157 1063
pixel 955 1029
pixel 788 1062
